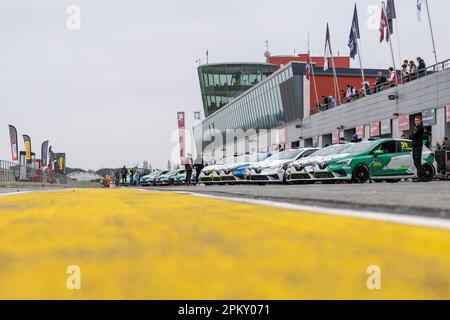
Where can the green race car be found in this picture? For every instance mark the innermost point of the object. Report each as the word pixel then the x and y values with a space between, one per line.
pixel 180 178
pixel 381 160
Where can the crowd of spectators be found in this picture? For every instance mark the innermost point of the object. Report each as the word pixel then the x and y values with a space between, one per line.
pixel 410 72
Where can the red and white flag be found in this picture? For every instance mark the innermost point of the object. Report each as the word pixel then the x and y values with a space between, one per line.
pixel 308 71
pixel 383 24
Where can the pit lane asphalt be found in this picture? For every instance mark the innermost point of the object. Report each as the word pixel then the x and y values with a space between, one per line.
pixel 430 199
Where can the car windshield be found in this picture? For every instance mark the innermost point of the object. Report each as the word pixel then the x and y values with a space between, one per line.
pixel 328 151
pixel 163 173
pixel 362 147
pixel 182 172
pixel 248 158
pixel 286 155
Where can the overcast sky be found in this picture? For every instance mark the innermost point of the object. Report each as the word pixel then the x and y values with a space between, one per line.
pixel 108 94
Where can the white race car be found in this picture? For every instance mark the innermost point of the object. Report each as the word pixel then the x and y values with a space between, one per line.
pixel 303 170
pixel 273 170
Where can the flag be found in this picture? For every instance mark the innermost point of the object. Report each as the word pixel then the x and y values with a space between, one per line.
pixel 51 157
pixel 419 10
pixel 391 14
pixel 308 71
pixel 14 143
pixel 27 142
pixel 383 24
pixel 327 54
pixel 181 134
pixel 354 35
pixel 44 154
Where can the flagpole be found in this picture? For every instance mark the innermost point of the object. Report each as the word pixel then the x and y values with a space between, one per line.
pixel 398 42
pixel 392 49
pixel 432 33
pixel 335 76
pixel 313 74
pixel 336 83
pixel 362 69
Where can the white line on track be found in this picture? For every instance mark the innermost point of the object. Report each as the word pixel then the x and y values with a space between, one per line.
pixel 436 223
pixel 14 193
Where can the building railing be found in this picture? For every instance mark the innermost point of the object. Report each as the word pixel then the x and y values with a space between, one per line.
pixel 373 90
pixel 14 172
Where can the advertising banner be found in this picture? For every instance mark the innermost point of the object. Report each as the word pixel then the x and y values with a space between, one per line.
pixel 375 129
pixel 27 142
pixel 51 158
pixel 181 134
pixel 386 127
pixel 429 117
pixel 360 132
pixel 403 123
pixel 14 143
pixel 335 137
pixel 44 154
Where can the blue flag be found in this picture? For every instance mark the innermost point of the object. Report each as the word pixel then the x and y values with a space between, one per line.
pixel 354 35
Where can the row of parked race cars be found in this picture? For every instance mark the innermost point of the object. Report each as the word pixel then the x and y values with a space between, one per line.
pixel 381 160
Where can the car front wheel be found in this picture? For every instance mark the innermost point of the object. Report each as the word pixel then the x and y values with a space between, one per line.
pixel 428 172
pixel 361 174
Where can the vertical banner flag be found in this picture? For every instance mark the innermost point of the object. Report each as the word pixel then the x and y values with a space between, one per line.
pixel 448 113
pixel 391 14
pixel 27 142
pixel 383 25
pixel 44 154
pixel 181 133
pixel 14 143
pixel 327 54
pixel 308 71
pixel 51 156
pixel 419 10
pixel 355 35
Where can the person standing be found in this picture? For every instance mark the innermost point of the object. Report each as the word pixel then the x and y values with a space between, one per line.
pixel 412 70
pixel 117 178
pixel 422 67
pixel 199 166
pixel 108 181
pixel 417 144
pixel 124 173
pixel 188 166
pixel 392 77
pixel 131 177
pixel 137 178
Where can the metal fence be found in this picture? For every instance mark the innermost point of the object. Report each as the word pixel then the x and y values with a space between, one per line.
pixel 372 90
pixel 14 172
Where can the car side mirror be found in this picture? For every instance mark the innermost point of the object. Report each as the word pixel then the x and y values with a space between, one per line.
pixel 378 153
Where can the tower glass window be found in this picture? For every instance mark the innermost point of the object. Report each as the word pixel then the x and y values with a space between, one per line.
pixel 222 83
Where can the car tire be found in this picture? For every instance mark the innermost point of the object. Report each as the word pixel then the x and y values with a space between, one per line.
pixel 428 172
pixel 361 174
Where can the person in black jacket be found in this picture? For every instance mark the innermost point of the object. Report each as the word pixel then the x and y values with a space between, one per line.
pixel 422 67
pixel 124 173
pixel 417 143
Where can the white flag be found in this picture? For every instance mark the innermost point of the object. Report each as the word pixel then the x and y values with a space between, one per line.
pixel 419 10
pixel 327 53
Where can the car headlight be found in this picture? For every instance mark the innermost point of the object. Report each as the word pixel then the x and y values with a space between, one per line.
pixel 344 162
pixel 284 167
